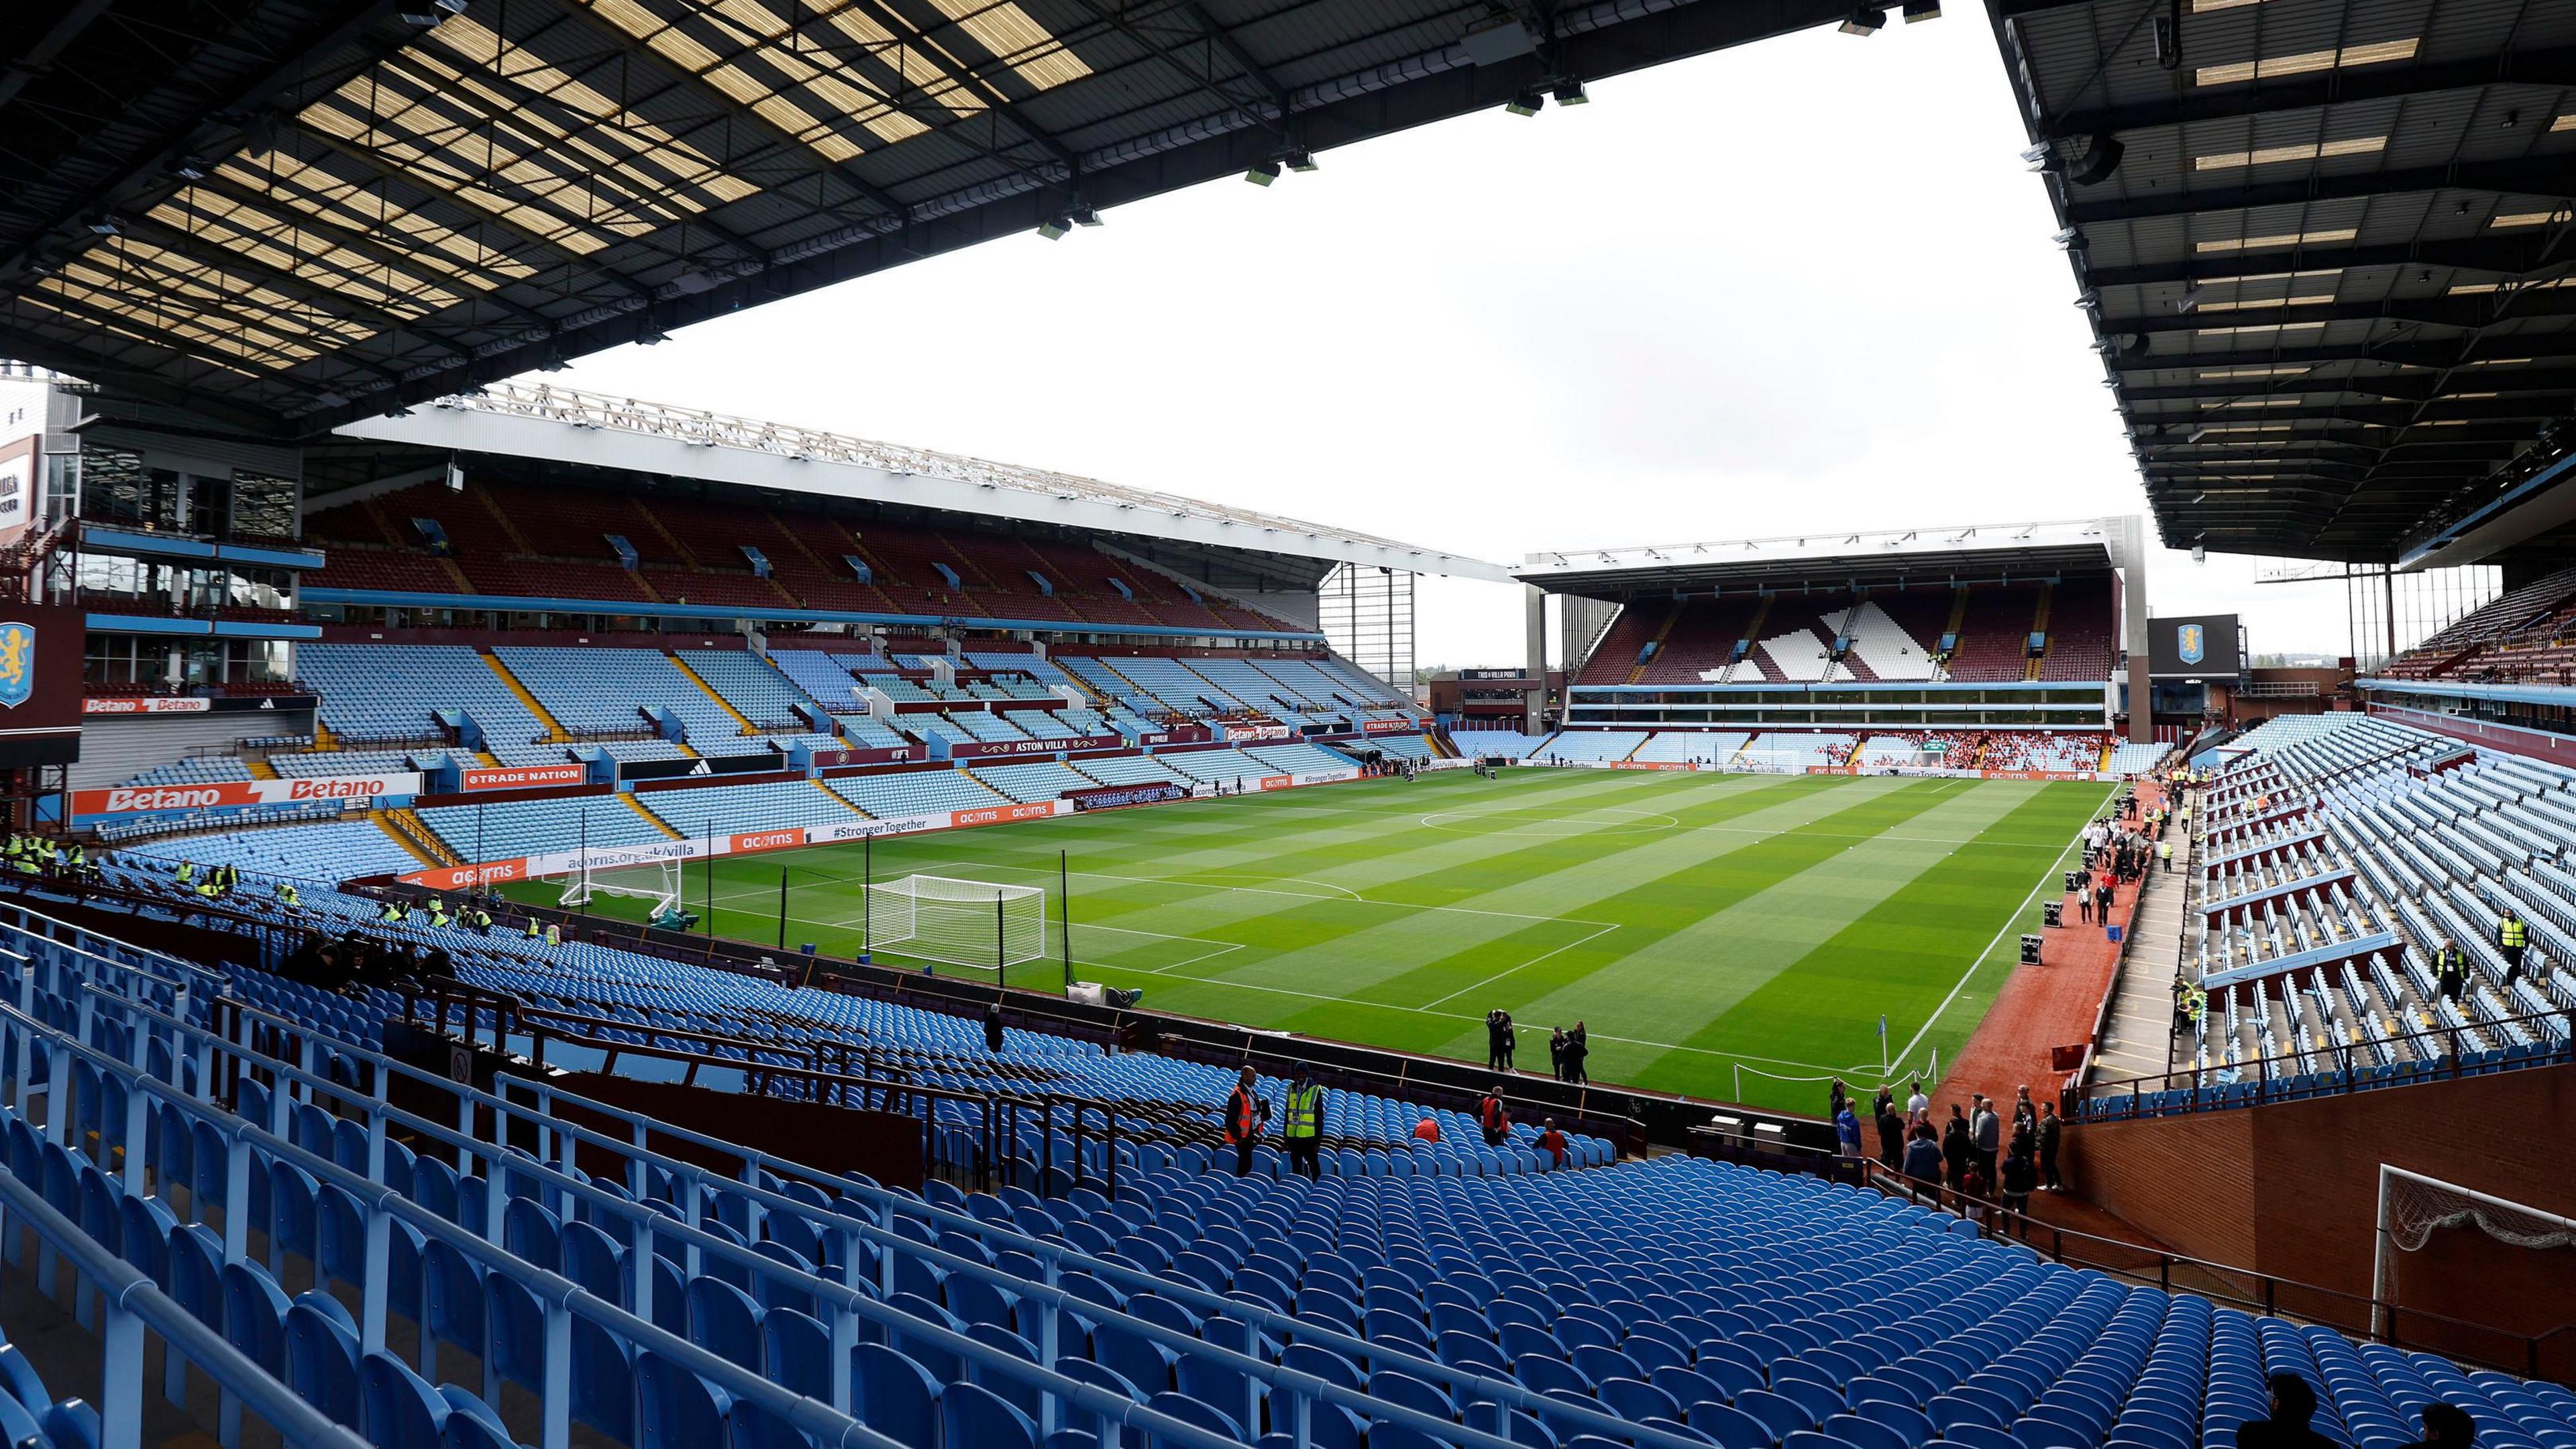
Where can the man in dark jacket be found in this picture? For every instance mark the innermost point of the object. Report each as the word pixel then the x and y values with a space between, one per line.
pixel 1891 1134
pixel 2293 1405
pixel 1578 1045
pixel 2050 1126
pixel 993 1027
pixel 1494 1118
pixel 1498 1040
pixel 1923 1157
pixel 1957 1151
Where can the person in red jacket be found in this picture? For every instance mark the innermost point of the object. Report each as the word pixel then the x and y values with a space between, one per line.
pixel 1552 1142
pixel 1245 1110
pixel 1494 1117
pixel 1426 1130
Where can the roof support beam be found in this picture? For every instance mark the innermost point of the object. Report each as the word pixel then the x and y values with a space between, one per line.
pixel 37 348
pixel 825 172
pixel 156 162
pixel 552 251
pixel 2502 256
pixel 2556 67
pixel 2390 386
pixel 366 245
pixel 241 264
pixel 2536 176
pixel 1203 79
pixel 32 62
pixel 2409 353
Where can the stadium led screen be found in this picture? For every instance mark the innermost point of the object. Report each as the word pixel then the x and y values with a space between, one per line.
pixel 2200 647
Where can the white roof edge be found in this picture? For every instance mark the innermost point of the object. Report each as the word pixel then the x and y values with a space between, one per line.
pixel 1835 544
pixel 564 425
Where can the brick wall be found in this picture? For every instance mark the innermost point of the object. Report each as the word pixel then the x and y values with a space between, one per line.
pixel 2292 1189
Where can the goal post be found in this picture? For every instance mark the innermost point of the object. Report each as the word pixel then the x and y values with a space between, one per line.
pixel 656 882
pixel 976 924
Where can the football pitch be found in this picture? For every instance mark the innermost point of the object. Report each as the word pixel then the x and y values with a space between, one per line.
pixel 1732 936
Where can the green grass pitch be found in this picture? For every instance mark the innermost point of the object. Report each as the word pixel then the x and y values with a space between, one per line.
pixel 1699 923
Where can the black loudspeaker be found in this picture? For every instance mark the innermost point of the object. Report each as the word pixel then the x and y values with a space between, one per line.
pixel 2030 950
pixel 2052 913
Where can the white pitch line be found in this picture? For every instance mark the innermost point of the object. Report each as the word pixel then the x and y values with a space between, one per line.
pixel 1525 965
pixel 1980 958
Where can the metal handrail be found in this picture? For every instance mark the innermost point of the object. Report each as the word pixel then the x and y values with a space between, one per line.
pixel 2275 1087
pixel 134 1303
pixel 2003 1223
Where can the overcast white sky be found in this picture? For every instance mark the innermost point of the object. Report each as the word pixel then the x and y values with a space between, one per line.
pixel 1798 285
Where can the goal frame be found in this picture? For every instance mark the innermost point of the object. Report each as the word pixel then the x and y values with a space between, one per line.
pixel 588 881
pixel 975 925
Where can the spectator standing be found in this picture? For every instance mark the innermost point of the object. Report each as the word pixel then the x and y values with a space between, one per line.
pixel 2019 1177
pixel 1498 1040
pixel 993 1027
pixel 1918 1107
pixel 2050 1127
pixel 2025 1119
pixel 1847 1131
pixel 1958 1151
pixel 1923 1156
pixel 1494 1117
pixel 2084 907
pixel 2513 937
pixel 2450 969
pixel 1556 1054
pixel 1836 1100
pixel 1578 1046
pixel 1975 1191
pixel 2294 1404
pixel 1891 1135
pixel 1986 1131
pixel 1245 1110
pixel 1302 1128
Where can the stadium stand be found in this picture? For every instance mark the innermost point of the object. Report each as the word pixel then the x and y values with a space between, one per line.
pixel 1509 744
pixel 375 692
pixel 1707 747
pixel 2522 634
pixel 919 792
pixel 1994 633
pixel 2042 750
pixel 2130 758
pixel 748 682
pixel 507 538
pixel 1231 768
pixel 1795 752
pixel 1133 770
pixel 1585 745
pixel 596 691
pixel 2336 856
pixel 1042 780
pixel 195 769
pixel 1403 747
pixel 531 827
pixel 327 853
pixel 765 806
pixel 1645 1300
pixel 822 677
pixel 1306 759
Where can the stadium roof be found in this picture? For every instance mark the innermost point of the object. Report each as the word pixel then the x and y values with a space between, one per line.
pixel 2325 248
pixel 563 426
pixel 289 213
pixel 1840 560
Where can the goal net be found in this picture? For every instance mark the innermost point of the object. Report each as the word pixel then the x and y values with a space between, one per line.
pixel 654 881
pixel 973 923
